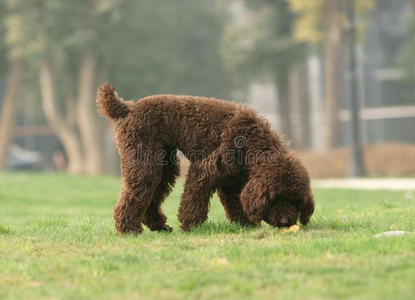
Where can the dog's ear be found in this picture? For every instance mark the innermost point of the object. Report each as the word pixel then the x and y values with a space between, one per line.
pixel 307 210
pixel 255 196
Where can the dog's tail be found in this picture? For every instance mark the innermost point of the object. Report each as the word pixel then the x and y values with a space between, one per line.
pixel 109 104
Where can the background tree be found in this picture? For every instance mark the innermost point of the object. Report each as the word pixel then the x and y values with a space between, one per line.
pixel 325 22
pixel 11 66
pixel 50 40
pixel 265 44
pixel 137 45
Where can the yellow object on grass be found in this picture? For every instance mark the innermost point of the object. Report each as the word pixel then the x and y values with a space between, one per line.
pixel 293 229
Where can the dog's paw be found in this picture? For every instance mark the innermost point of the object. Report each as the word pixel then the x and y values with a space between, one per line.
pixel 166 228
pixel 188 226
pixel 159 227
pixel 131 231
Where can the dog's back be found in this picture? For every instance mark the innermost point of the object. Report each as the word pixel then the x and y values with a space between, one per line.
pixel 178 121
pixel 187 123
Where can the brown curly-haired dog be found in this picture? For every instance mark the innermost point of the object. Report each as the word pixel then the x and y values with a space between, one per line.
pixel 230 148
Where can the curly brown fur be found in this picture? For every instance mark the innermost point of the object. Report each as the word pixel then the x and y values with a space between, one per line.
pixel 109 104
pixel 230 148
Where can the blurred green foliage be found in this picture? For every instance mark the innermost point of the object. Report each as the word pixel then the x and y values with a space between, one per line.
pixel 265 43
pixel 142 47
pixel 311 16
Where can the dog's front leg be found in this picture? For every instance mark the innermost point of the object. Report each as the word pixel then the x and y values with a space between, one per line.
pixel 229 196
pixel 254 198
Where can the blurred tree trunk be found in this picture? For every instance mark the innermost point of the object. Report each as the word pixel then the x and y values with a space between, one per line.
pixel 300 108
pixel 305 105
pixel 88 123
pixel 332 66
pixel 66 134
pixel 110 153
pixel 284 106
pixel 70 103
pixel 295 106
pixel 89 126
pixel 9 109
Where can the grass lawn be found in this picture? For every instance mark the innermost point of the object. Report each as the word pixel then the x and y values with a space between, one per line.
pixel 57 241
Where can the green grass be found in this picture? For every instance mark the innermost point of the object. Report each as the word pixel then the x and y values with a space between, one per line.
pixel 57 241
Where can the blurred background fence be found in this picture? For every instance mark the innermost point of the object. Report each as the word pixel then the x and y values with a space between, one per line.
pixel 288 59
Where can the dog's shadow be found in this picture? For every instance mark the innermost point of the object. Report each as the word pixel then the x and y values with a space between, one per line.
pixel 223 227
pixel 220 227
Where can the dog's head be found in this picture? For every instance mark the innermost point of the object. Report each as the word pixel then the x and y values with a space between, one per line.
pixel 278 192
pixel 285 209
pixel 290 195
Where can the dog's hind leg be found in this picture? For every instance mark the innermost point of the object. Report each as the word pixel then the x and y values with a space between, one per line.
pixel 229 197
pixel 141 178
pixel 154 218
